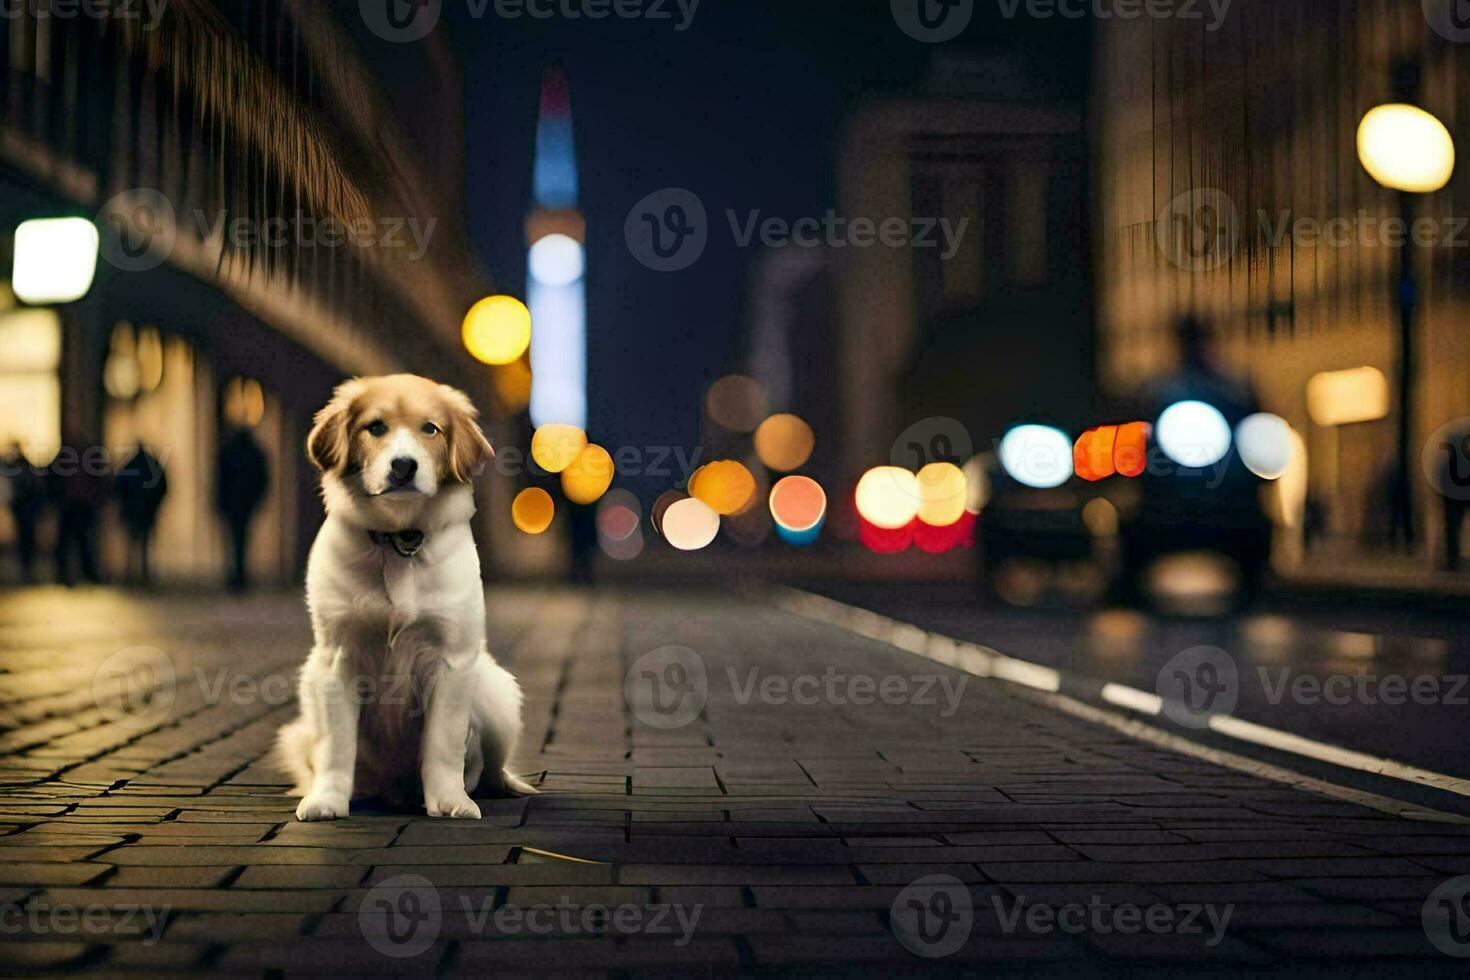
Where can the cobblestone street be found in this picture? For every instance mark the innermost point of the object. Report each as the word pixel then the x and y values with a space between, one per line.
pixel 724 786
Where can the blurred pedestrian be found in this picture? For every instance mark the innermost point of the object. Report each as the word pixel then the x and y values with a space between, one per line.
pixel 240 481
pixel 26 495
pixel 79 482
pixel 140 485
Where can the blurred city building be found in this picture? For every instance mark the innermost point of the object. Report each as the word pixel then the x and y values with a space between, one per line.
pixel 1229 185
pixel 274 215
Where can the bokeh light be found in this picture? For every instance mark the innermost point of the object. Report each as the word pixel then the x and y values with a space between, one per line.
pixel 532 510
pixel 799 539
pixel 556 260
pixel 1037 456
pixel 554 447
pixel 690 524
pixel 1193 434
pixel 1092 457
pixel 1405 148
pixel 977 482
pixel 589 476
pixel 1130 448
pixel 941 494
pixel 55 259
pixel 939 540
pixel 885 540
pixel 1346 397
pixel 1265 444
pixel 784 442
pixel 497 329
pixel 726 485
pixel 1100 518
pixel 660 507
pixel 736 402
pixel 798 504
pixel 619 527
pixel 888 497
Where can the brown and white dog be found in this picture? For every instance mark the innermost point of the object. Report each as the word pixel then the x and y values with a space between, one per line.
pixel 400 697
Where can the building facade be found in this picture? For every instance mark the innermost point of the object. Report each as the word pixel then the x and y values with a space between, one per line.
pixel 269 224
pixel 1228 185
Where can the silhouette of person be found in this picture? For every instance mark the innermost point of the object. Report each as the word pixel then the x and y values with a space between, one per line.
pixel 27 497
pixel 78 480
pixel 140 485
pixel 240 481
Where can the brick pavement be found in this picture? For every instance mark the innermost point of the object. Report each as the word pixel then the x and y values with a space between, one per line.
pixel 788 825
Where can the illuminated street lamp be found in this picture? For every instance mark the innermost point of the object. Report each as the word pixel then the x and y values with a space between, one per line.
pixel 1407 150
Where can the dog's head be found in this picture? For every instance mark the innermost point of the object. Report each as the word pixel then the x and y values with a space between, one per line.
pixel 398 437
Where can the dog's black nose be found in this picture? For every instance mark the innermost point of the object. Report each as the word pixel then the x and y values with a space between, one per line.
pixel 403 468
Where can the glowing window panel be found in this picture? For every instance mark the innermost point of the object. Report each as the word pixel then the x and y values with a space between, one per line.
pixel 55 259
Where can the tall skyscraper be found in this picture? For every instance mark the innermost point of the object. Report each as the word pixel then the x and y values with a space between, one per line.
pixel 556 289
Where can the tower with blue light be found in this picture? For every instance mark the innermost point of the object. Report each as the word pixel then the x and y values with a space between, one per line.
pixel 555 285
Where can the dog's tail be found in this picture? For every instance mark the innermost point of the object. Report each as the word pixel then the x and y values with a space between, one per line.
pixel 293 755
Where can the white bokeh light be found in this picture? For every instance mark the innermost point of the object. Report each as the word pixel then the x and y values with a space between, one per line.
pixel 1265 444
pixel 1037 456
pixel 556 260
pixel 1193 434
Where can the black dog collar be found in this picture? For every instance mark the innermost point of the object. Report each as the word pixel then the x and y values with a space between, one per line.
pixel 406 543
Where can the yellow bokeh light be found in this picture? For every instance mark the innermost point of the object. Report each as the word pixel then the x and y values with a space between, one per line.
pixel 554 447
pixel 888 497
pixel 784 442
pixel 513 385
pixel 942 494
pixel 532 510
pixel 589 476
pixel 1405 148
pixel 725 485
pixel 497 329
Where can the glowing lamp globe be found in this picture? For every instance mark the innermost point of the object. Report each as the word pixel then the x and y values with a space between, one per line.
pixel 556 260
pixel 497 330
pixel 1405 148
pixel 1193 434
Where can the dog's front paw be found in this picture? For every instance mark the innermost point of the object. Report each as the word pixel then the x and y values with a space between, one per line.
pixel 321 806
pixel 459 807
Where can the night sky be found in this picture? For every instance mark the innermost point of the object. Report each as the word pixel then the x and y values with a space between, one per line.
pixel 744 108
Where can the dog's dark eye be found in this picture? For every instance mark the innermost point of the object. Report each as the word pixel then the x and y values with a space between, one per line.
pixel 430 429
pixel 377 429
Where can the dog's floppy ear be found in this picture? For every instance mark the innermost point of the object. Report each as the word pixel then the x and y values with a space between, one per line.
pixel 469 450
pixel 326 446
